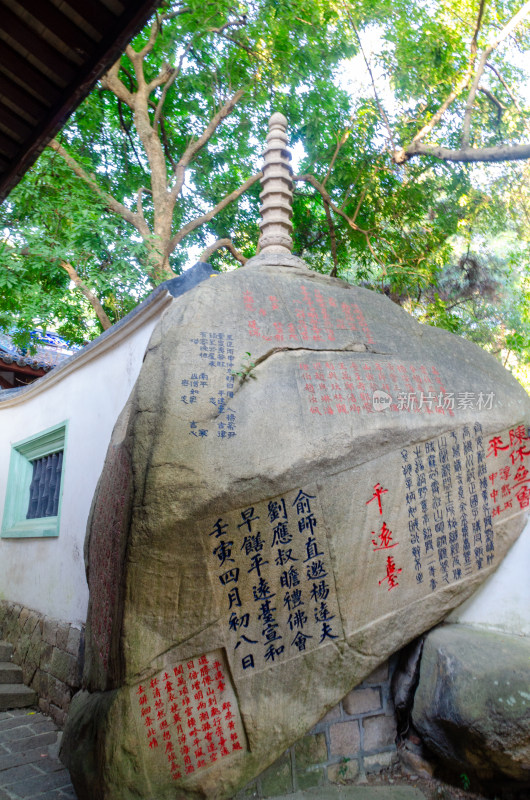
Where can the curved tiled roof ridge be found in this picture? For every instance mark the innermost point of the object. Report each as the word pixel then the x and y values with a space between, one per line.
pixel 171 288
pixel 47 356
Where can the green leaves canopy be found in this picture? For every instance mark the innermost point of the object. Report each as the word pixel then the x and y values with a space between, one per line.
pixel 406 225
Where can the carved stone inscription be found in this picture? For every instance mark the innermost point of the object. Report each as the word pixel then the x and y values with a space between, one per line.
pixel 508 472
pixel 310 316
pixel 357 384
pixel 211 385
pixel 455 487
pixel 188 715
pixel 104 554
pixel 275 582
pixel 449 514
pixel 424 518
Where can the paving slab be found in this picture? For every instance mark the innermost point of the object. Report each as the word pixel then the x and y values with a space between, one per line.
pixel 29 766
pixel 31 770
pixel 357 793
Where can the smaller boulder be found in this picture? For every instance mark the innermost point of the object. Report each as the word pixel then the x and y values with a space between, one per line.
pixel 472 704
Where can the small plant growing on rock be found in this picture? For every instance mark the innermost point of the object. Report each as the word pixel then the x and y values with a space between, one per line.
pixel 466 783
pixel 343 769
pixel 245 369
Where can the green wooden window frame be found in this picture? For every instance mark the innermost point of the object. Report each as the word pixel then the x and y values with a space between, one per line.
pixel 14 523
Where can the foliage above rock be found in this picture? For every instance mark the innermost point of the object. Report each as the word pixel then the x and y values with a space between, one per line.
pixel 387 104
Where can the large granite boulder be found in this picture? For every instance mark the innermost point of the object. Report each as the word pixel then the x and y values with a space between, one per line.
pixel 472 704
pixel 303 480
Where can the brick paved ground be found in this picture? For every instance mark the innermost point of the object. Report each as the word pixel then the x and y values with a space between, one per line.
pixel 29 766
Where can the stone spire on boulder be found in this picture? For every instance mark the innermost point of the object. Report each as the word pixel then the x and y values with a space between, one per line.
pixel 276 209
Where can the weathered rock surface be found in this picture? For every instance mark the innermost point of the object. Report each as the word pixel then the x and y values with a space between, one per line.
pixel 472 704
pixel 259 544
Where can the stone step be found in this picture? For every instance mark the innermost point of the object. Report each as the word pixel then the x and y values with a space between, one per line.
pixel 16 695
pixel 6 651
pixel 10 673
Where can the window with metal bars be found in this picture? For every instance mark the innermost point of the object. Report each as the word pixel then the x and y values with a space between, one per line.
pixel 34 487
pixel 45 486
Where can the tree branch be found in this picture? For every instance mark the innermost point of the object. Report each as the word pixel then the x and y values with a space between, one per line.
pixel 139 204
pixel 466 126
pixel 493 44
pixel 148 136
pixel 491 97
pixel 232 23
pixel 148 46
pixel 517 152
pixel 435 119
pixel 127 131
pixel 194 147
pixel 399 156
pixel 254 53
pixel 130 76
pixel 111 81
pixel 89 294
pixel 177 12
pixel 379 104
pixel 340 143
pixel 206 254
pixel 362 195
pixel 513 98
pixel 165 143
pixel 163 77
pixel 332 239
pixel 111 203
pixel 137 66
pixel 195 223
pixel 327 199
pixel 510 93
pixel 474 41
pixel 170 82
pixel 318 238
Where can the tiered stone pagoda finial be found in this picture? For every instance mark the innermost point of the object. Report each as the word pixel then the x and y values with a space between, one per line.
pixel 276 209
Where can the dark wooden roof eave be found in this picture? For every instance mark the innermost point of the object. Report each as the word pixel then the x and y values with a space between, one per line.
pixel 34 372
pixel 113 42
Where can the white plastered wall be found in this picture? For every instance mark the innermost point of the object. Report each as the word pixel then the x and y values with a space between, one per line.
pixel 503 602
pixel 48 575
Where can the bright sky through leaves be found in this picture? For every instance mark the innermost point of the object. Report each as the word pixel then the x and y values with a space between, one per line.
pixel 159 165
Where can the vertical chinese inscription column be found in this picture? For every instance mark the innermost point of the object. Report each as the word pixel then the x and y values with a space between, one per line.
pixel 446 490
pixel 189 714
pixel 276 587
pixel 508 474
pixel 382 540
